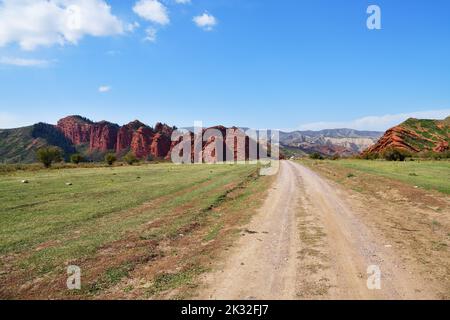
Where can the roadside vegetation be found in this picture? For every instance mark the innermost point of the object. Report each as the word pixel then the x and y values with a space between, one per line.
pixel 396 154
pixel 427 174
pixel 53 158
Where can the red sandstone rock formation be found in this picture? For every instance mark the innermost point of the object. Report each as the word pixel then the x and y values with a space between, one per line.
pixel 394 138
pixel 75 128
pixel 415 135
pixel 441 147
pixel 144 141
pixel 100 136
pixel 103 136
pixel 218 143
pixel 125 136
pixel 164 129
pixel 160 145
pixel 141 142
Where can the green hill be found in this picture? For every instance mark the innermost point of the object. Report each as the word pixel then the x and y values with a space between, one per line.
pixel 20 145
pixel 416 135
pixel 429 133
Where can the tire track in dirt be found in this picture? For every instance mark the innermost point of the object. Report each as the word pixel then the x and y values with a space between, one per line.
pixel 263 265
pixel 306 243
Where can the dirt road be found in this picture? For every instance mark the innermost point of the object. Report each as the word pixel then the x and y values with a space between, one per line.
pixel 306 243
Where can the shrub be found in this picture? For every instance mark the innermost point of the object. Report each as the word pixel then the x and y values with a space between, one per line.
pixel 433 155
pixel 394 154
pixel 370 156
pixel 76 158
pixel 336 156
pixel 48 155
pixel 316 156
pixel 437 156
pixel 130 158
pixel 110 158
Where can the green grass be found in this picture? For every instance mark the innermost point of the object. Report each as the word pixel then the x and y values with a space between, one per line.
pixel 431 175
pixel 47 223
pixel 212 234
pixel 111 277
pixel 166 281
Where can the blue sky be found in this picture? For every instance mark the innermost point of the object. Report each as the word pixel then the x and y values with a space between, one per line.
pixel 306 64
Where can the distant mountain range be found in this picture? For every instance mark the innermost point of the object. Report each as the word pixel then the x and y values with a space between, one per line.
pixel 344 142
pixel 76 134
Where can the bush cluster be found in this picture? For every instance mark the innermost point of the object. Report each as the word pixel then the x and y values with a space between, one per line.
pixel 49 155
pixel 130 158
pixel 395 154
pixel 316 156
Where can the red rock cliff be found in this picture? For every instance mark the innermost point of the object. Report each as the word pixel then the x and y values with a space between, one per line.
pixel 125 136
pixel 160 145
pixel 103 136
pixel 77 129
pixel 141 142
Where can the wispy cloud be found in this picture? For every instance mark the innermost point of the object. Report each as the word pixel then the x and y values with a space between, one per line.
pixel 153 11
pixel 378 123
pixel 150 34
pixel 104 89
pixel 133 26
pixel 21 62
pixel 205 21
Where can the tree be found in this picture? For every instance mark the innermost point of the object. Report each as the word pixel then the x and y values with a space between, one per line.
pixel 336 156
pixel 49 155
pixel 110 158
pixel 370 156
pixel 395 154
pixel 130 158
pixel 76 158
pixel 316 156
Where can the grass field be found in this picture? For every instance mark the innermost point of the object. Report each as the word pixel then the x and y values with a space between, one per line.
pixel 70 215
pixel 430 175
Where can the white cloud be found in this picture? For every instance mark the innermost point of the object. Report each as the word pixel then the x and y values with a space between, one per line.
pixel 205 21
pixel 20 62
pixel 36 23
pixel 152 10
pixel 378 123
pixel 104 89
pixel 132 26
pixel 183 1
pixel 150 34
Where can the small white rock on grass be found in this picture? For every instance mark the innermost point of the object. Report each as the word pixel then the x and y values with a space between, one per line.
pixel 24 181
pixel 68 183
